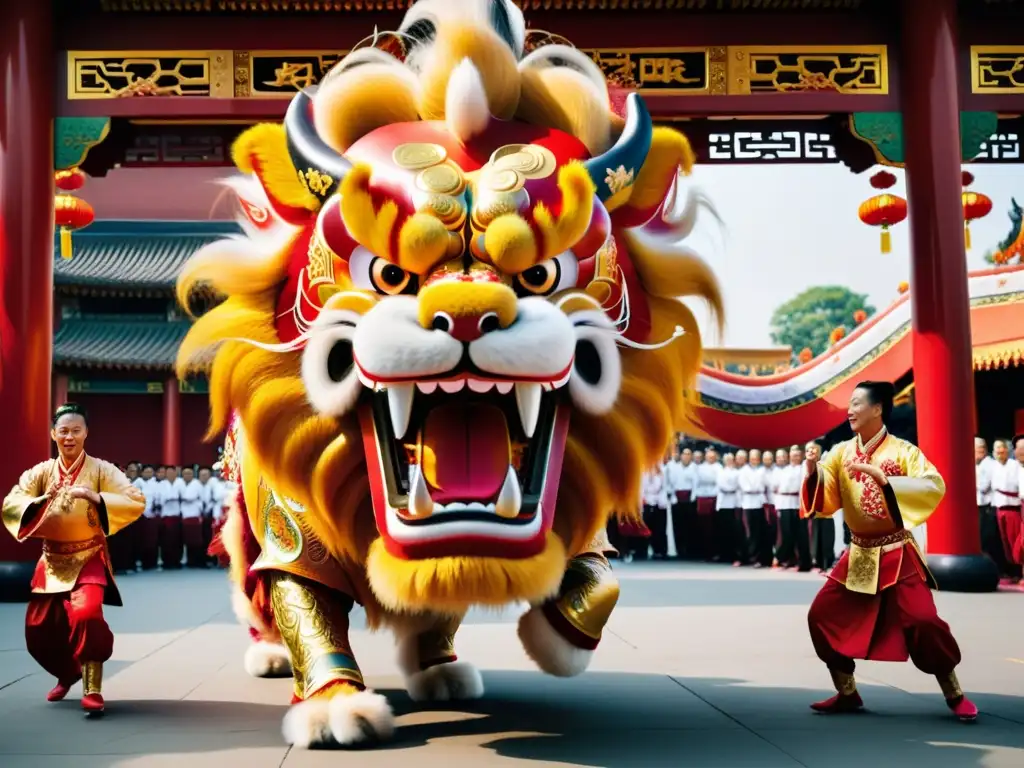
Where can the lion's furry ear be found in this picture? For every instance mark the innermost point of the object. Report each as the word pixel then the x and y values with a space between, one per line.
pixel 263 150
pixel 350 105
pixel 561 98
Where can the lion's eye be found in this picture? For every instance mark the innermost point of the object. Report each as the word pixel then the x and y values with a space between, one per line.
pixel 548 277
pixel 372 273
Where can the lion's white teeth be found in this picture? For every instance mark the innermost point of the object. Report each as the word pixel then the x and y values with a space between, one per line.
pixel 480 386
pixel 562 381
pixel 420 503
pixel 400 398
pixel 528 400
pixel 504 387
pixel 451 387
pixel 509 499
pixel 427 387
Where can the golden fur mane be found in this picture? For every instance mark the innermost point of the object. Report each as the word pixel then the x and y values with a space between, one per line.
pixel 319 460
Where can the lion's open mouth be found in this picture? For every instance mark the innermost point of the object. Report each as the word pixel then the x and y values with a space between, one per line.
pixel 466 466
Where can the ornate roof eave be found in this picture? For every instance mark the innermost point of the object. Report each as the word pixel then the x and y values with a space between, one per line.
pixel 357 6
pixel 81 365
pixel 114 289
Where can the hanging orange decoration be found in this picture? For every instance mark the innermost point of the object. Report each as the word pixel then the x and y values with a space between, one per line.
pixel 805 356
pixel 883 211
pixel 976 206
pixel 70 213
pixel 69 180
pixel 837 335
pixel 903 287
pixel 860 316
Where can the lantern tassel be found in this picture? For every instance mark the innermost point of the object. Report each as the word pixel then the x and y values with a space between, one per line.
pixel 967 235
pixel 65 243
pixel 886 241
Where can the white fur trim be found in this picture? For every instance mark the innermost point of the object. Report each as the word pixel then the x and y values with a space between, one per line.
pixel 360 717
pixel 389 342
pixel 540 343
pixel 246 613
pixel 466 110
pixel 455 681
pixel 263 659
pixel 334 398
pixel 306 724
pixel 548 649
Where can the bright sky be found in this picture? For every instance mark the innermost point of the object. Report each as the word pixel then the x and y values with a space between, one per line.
pixel 791 227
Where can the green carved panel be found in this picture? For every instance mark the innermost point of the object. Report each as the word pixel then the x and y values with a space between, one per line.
pixel 73 137
pixel 884 132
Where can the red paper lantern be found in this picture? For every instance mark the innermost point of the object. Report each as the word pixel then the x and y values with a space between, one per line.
pixel 976 206
pixel 966 178
pixel 805 356
pixel 883 180
pixel 883 211
pixel 837 335
pixel 860 316
pixel 69 180
pixel 71 213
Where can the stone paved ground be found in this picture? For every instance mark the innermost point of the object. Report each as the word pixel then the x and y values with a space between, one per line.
pixel 702 666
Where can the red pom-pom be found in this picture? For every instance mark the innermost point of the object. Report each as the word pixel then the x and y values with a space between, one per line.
pixel 882 180
pixel 966 178
pixel 69 180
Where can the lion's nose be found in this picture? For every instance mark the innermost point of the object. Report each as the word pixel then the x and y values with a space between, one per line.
pixel 466 310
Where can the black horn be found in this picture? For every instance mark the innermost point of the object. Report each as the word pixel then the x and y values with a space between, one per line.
pixel 617 168
pixel 320 167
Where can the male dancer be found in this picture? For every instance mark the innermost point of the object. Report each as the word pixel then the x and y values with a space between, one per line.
pixel 73 503
pixel 876 603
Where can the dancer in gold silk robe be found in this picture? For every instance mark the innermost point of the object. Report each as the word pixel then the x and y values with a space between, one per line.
pixel 73 503
pixel 876 603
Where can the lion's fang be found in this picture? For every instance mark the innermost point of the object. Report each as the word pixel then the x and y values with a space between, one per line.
pixel 509 499
pixel 400 397
pixel 528 399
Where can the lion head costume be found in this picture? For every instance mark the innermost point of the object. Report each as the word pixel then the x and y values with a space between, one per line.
pixel 452 334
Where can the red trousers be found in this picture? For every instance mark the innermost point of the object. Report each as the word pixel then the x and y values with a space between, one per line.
pixel 899 622
pixel 170 541
pixel 66 629
pixel 149 541
pixel 1009 519
pixel 192 535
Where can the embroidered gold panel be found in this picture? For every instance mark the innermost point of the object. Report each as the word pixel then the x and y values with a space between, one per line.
pixel 997 69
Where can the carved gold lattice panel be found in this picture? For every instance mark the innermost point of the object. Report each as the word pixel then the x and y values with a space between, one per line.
pixel 675 71
pixel 854 70
pixel 282 73
pixel 997 68
pixel 115 74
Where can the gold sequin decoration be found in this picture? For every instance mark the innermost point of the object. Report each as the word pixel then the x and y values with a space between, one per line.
pixel 417 156
pixel 844 682
pixel 92 677
pixel 281 533
pixel 320 267
pixel 449 210
pixel 590 594
pixel 438 642
pixel 314 626
pixel 316 182
pixel 950 686
pixel 862 569
pixel 445 179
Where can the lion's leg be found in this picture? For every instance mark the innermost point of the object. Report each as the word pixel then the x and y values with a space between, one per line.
pixel 426 656
pixel 560 635
pixel 330 703
pixel 266 656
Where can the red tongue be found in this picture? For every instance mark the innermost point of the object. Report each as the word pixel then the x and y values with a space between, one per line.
pixel 465 452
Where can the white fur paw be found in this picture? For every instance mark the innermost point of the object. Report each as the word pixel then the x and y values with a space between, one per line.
pixel 263 659
pixel 548 649
pixel 455 681
pixel 344 720
pixel 362 717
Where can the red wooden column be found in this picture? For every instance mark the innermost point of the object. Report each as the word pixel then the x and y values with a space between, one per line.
pixel 172 421
pixel 26 258
pixel 943 371
pixel 60 390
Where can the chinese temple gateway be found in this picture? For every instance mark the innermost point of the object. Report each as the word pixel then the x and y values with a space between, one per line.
pixel 145 97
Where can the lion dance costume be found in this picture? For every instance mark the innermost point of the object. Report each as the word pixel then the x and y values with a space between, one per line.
pixel 451 343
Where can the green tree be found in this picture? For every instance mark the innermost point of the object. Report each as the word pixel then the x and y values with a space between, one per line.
pixel 807 319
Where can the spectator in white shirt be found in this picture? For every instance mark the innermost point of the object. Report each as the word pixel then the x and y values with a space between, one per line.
pixel 1006 500
pixel 823 529
pixel 753 500
pixel 680 484
pixel 795 550
pixel 728 522
pixel 656 505
pixel 170 492
pixel 991 543
pixel 706 492
pixel 192 519
pixel 149 523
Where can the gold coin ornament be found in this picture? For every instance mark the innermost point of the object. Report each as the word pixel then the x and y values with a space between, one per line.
pixel 417 156
pixel 445 179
